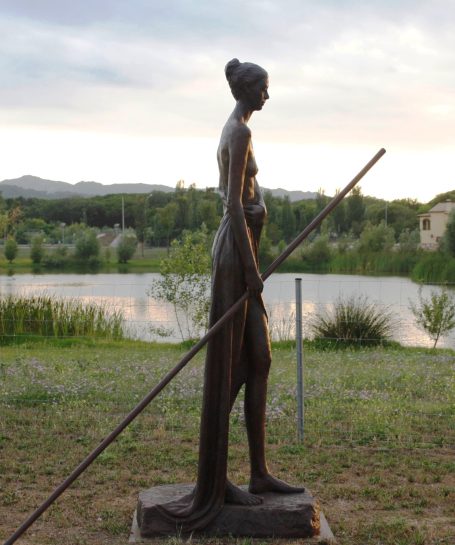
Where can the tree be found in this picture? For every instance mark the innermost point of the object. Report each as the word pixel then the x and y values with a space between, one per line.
pixel 318 253
pixel 355 210
pixel 436 314
pixel 10 249
pixel 3 224
pixel 126 248
pixel 449 235
pixel 165 221
pixel 185 282
pixel 87 245
pixel 338 217
pixel 37 249
pixel 376 238
pixel 287 220
pixel 15 215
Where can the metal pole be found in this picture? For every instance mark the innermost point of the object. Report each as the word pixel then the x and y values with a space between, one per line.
pixel 171 374
pixel 299 346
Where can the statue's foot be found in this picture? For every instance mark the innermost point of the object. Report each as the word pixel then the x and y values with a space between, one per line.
pixel 269 483
pixel 235 495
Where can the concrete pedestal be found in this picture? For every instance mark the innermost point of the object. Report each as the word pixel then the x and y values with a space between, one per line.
pixel 280 516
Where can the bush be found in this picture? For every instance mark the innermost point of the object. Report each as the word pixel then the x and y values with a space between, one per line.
pixel 58 259
pixel 87 246
pixel 10 249
pixel 126 248
pixel 352 322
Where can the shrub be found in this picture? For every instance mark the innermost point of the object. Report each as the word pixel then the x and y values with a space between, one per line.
pixel 37 249
pixel 10 249
pixel 352 322
pixel 126 248
pixel 436 314
pixel 58 259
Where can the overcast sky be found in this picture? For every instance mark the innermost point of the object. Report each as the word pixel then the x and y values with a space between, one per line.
pixel 134 91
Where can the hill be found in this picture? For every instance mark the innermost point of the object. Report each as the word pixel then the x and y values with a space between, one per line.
pixel 34 187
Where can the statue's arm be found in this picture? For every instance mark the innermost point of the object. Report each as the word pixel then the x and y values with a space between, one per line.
pixel 239 147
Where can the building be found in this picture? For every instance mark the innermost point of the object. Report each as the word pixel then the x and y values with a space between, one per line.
pixel 433 224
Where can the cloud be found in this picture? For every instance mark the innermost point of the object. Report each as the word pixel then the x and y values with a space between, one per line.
pixel 340 70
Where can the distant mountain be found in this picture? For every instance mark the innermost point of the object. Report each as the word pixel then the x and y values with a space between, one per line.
pixel 293 195
pixel 34 187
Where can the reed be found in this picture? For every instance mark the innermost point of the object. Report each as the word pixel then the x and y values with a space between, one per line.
pixel 44 316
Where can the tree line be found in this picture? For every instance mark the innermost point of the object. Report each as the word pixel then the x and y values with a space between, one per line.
pixel 363 235
pixel 160 217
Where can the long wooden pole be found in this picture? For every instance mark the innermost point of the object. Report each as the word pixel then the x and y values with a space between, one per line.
pixel 181 364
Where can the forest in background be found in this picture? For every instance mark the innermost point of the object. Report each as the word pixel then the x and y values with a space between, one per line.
pixel 362 235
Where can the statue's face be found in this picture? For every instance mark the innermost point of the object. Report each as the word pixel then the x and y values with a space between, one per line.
pixel 257 93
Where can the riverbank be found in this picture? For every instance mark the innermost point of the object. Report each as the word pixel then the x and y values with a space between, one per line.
pixel 377 450
pixel 420 266
pixel 149 262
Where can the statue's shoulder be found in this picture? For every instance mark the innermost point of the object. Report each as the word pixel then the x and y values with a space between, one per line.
pixel 239 133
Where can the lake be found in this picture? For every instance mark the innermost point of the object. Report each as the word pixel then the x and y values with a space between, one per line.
pixel 144 315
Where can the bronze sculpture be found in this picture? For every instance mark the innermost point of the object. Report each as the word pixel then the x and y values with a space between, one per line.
pixel 240 353
pixel 249 84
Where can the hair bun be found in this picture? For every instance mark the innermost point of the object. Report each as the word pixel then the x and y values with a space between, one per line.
pixel 231 67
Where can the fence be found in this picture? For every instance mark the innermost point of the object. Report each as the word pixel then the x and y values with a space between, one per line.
pixel 58 400
pixel 25 384
pixel 148 319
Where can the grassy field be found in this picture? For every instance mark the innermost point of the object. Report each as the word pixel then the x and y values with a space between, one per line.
pixel 378 450
pixel 149 262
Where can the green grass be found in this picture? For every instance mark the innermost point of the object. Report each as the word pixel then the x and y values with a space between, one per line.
pixel 44 317
pixel 149 262
pixel 378 449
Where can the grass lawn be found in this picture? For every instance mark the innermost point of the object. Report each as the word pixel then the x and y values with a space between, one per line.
pixel 148 262
pixel 378 450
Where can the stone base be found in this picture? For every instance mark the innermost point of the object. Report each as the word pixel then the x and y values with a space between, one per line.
pixel 280 516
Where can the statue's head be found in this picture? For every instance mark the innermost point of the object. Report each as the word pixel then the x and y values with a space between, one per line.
pixel 248 81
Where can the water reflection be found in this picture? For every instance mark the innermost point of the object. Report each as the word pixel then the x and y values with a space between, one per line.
pixel 144 315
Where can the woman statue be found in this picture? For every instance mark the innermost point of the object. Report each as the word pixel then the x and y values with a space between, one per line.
pixel 240 353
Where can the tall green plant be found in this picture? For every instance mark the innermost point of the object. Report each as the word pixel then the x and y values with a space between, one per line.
pixel 87 245
pixel 46 316
pixel 37 249
pixel 185 282
pixel 435 314
pixel 354 321
pixel 10 249
pixel 126 248
pixel 449 235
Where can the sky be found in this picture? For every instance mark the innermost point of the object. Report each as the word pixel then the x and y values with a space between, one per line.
pixel 119 91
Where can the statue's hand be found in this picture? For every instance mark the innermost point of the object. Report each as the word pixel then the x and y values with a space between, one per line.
pixel 254 282
pixel 254 213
